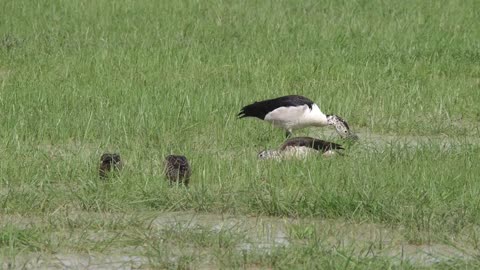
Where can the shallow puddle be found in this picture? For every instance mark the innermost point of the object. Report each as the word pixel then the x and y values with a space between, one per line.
pixel 77 261
pixel 259 234
pixel 262 232
pixel 370 240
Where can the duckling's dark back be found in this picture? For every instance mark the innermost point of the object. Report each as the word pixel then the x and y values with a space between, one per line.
pixel 313 143
pixel 177 169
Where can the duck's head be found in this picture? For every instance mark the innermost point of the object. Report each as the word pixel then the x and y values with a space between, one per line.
pixel 341 126
pixel 110 158
pixel 268 154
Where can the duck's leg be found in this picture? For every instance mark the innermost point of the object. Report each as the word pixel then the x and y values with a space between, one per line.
pixel 288 133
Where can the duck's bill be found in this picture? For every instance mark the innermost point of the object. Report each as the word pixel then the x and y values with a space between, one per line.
pixel 342 128
pixel 347 134
pixel 352 136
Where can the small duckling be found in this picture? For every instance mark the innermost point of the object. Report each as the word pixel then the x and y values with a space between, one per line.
pixel 177 169
pixel 109 163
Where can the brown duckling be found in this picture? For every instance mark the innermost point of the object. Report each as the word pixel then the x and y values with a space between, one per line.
pixel 109 163
pixel 177 169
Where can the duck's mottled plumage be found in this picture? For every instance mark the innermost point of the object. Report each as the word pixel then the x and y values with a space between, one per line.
pixel 301 147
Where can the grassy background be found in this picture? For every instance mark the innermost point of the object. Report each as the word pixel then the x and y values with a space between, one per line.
pixel 149 78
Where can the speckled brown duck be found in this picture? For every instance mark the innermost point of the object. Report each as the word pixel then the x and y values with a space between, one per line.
pixel 301 147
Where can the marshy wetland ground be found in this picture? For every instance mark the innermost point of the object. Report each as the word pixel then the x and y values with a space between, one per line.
pixel 151 78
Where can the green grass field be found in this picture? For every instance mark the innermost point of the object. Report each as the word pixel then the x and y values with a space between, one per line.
pixel 150 78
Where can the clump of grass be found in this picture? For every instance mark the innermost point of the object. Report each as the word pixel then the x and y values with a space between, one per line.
pixel 14 238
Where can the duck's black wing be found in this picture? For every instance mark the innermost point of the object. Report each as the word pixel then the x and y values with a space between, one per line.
pixel 261 108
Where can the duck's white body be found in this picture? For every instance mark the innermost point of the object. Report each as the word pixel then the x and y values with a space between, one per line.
pixel 293 112
pixel 290 118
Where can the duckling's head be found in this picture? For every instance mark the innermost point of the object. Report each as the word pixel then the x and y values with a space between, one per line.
pixel 110 158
